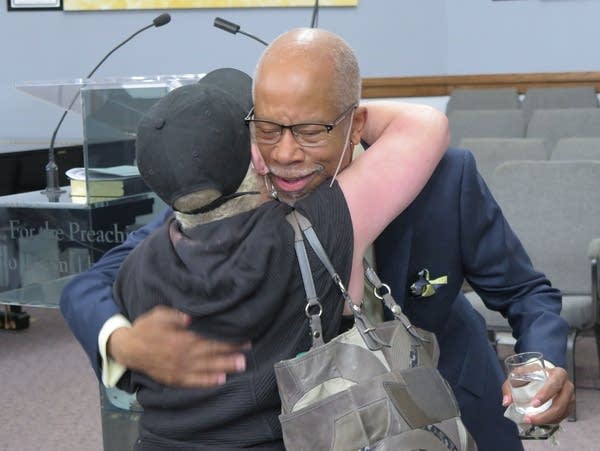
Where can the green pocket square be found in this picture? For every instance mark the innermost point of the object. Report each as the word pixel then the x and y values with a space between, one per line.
pixel 424 287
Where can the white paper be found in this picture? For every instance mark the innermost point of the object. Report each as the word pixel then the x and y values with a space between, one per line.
pixel 114 172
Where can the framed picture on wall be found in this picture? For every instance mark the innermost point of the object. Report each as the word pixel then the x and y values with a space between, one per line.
pixel 94 5
pixel 33 5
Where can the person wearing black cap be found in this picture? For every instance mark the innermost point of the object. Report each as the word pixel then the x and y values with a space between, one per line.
pixel 190 147
pixel 233 269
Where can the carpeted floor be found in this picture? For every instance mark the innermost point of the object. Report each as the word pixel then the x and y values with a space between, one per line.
pixel 50 396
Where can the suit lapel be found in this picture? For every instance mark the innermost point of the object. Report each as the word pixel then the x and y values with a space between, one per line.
pixel 401 265
pixel 393 250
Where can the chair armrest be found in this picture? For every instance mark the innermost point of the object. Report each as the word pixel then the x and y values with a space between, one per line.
pixel 594 255
pixel 594 249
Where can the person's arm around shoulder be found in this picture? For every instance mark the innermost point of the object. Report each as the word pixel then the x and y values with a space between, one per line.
pixel 408 142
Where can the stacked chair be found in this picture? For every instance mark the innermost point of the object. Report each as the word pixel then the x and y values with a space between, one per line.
pixel 547 182
pixel 553 208
pixel 554 124
pixel 483 99
pixel 485 123
pixel 576 149
pixel 546 113
pixel 555 98
pixel 490 152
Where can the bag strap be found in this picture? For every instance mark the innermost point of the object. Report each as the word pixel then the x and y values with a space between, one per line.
pixel 383 292
pixel 313 308
pixel 302 226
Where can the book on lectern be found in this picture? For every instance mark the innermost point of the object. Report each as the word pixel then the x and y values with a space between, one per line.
pixel 116 181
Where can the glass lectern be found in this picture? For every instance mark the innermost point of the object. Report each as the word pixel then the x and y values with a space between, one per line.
pixel 110 109
pixel 45 240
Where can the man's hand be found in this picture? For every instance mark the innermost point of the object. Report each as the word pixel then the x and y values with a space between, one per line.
pixel 558 388
pixel 160 345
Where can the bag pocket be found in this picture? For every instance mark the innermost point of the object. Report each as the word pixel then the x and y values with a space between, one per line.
pixel 416 402
pixel 327 369
pixel 347 420
pixel 423 398
pixel 449 435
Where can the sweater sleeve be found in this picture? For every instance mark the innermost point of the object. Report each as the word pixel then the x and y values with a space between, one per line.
pixel 87 301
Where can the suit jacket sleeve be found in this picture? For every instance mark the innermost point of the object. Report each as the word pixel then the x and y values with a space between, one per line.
pixel 500 271
pixel 87 301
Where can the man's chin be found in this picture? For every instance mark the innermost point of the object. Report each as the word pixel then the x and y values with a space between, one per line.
pixel 292 190
pixel 291 198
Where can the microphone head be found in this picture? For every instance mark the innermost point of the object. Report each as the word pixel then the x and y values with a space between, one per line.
pixel 223 24
pixel 161 20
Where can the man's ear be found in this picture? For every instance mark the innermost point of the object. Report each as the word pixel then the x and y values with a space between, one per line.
pixel 358 124
pixel 257 161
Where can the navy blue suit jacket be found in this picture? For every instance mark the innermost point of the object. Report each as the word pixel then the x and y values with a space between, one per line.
pixel 453 228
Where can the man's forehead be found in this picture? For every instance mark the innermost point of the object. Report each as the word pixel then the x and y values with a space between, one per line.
pixel 288 113
pixel 295 97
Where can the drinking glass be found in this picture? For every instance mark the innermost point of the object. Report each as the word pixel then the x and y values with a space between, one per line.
pixel 526 375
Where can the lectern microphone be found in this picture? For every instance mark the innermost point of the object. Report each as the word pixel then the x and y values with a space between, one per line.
pixel 53 190
pixel 234 28
pixel 314 23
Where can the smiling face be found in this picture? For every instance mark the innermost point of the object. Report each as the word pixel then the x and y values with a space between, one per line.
pixel 294 84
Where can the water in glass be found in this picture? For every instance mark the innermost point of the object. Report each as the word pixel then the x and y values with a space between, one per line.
pixel 524 387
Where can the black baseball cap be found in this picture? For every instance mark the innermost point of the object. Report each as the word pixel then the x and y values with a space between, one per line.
pixel 194 138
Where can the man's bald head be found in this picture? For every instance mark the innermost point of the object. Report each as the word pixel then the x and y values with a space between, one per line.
pixel 307 78
pixel 320 53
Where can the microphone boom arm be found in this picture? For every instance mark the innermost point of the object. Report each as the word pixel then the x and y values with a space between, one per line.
pixel 53 190
pixel 115 49
pixel 253 37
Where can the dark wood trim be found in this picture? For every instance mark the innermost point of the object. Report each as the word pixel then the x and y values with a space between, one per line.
pixel 442 85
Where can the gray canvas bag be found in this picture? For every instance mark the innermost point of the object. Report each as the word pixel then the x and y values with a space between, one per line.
pixel 374 387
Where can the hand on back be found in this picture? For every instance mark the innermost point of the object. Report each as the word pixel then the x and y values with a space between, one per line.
pixel 160 345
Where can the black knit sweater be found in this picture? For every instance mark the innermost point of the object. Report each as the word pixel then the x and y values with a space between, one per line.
pixel 239 280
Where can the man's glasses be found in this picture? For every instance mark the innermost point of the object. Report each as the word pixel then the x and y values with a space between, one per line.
pixel 307 135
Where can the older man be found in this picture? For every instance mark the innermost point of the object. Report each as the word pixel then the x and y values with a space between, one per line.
pixel 454 228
